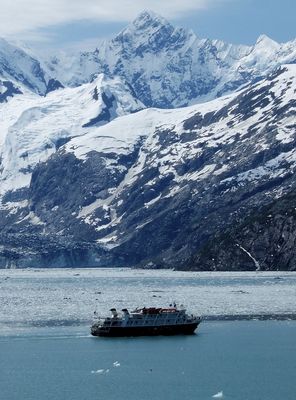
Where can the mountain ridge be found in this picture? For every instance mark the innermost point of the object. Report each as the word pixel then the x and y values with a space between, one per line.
pixel 155 57
pixel 93 173
pixel 154 187
pixel 161 54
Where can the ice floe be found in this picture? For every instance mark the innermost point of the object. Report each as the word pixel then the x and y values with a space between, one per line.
pixel 60 297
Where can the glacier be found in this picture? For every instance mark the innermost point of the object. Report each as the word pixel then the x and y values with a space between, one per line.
pixel 32 129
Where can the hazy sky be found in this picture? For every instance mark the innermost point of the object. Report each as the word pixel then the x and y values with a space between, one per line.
pixel 66 23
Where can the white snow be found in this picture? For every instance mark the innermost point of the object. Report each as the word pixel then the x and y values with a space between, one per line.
pixel 136 48
pixel 32 218
pixel 31 126
pixel 199 175
pixel 153 201
pixel 19 66
pixel 218 395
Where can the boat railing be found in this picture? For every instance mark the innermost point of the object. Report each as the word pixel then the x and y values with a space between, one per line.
pixel 137 319
pixel 158 319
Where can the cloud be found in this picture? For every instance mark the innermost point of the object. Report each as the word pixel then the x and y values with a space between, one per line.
pixel 28 16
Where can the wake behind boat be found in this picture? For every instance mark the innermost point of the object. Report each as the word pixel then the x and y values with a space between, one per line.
pixel 146 322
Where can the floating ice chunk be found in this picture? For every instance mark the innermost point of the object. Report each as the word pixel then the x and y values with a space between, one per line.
pixel 218 395
pixel 98 371
pixel 116 364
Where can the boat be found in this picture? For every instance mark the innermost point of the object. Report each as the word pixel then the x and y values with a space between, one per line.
pixel 146 322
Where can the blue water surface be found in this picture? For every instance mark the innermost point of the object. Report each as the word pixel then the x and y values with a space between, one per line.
pixel 247 360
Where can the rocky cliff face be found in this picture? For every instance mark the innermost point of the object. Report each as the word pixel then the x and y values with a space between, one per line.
pixel 157 188
pixel 264 240
pixel 8 90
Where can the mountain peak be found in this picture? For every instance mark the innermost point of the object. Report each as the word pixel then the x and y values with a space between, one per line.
pixel 149 32
pixel 264 40
pixel 149 18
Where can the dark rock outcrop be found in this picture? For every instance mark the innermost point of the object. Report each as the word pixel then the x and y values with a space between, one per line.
pixel 264 241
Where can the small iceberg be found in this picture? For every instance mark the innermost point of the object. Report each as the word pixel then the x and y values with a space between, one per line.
pixel 116 364
pixel 218 395
pixel 98 371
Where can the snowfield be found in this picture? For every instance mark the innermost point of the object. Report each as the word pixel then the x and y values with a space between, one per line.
pixel 32 128
pixel 64 297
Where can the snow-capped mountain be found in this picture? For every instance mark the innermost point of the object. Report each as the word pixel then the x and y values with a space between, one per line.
pixel 153 187
pixel 165 66
pixel 89 175
pixel 33 128
pixel 21 69
pixel 170 67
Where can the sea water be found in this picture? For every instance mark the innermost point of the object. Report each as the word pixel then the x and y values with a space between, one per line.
pixel 246 360
pixel 36 298
pixel 46 351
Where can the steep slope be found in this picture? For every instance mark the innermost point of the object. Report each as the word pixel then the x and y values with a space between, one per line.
pixel 170 67
pixel 264 240
pixel 154 187
pixel 8 90
pixel 33 128
pixel 20 68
